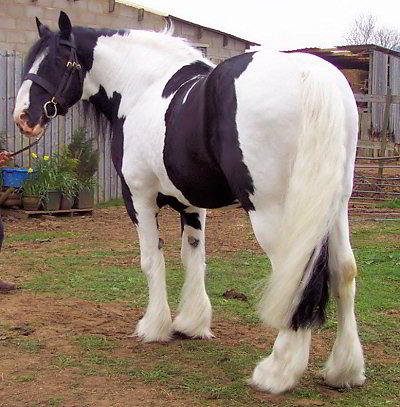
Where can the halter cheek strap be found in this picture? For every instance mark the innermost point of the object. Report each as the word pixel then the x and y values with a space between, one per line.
pixel 50 108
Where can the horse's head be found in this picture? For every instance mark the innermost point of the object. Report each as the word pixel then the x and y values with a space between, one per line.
pixel 53 79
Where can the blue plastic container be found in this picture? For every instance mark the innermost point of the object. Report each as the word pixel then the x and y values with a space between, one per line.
pixel 14 177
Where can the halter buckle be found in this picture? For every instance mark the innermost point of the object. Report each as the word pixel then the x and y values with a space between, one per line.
pixel 50 102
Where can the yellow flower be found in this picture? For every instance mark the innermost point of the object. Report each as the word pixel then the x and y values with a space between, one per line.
pixel 45 158
pixel 34 155
pixel 30 170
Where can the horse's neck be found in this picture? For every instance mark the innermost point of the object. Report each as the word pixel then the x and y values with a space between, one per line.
pixel 126 66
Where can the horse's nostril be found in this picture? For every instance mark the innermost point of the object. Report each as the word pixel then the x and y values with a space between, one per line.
pixel 23 117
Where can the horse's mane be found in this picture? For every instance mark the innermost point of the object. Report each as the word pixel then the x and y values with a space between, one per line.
pixel 164 39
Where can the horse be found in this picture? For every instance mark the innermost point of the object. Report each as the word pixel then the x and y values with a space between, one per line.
pixel 274 133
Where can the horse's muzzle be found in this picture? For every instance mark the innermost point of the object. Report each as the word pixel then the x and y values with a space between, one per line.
pixel 27 129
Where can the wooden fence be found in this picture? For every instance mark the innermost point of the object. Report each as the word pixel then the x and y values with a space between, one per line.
pixel 377 170
pixel 58 133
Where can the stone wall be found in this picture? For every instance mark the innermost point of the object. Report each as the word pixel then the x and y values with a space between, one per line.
pixel 18 28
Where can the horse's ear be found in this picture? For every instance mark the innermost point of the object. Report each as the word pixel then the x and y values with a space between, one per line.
pixel 64 23
pixel 42 29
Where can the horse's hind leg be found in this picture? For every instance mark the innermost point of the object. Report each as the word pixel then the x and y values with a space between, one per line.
pixel 156 325
pixel 282 369
pixel 194 317
pixel 345 366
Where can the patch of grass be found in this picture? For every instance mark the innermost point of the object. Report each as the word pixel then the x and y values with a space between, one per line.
pixel 112 203
pixel 95 342
pixel 39 236
pixel 30 345
pixel 392 204
pixel 55 402
pixel 245 273
pixel 25 378
pixel 374 235
pixel 101 284
pixel 63 361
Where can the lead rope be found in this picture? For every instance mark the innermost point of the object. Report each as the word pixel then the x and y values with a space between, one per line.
pixel 27 147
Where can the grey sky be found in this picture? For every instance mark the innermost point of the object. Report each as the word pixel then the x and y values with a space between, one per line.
pixel 282 24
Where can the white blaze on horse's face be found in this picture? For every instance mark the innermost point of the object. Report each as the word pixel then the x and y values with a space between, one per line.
pixel 22 102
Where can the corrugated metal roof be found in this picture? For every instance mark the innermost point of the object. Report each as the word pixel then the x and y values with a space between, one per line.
pixel 348 56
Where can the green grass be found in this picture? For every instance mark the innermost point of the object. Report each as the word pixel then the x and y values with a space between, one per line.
pixel 39 236
pixel 214 373
pixel 30 345
pixel 110 204
pixel 393 204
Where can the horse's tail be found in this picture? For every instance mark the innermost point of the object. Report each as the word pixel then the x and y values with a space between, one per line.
pixel 298 288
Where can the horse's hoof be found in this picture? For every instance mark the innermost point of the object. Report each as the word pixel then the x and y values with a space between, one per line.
pixel 149 332
pixel 184 336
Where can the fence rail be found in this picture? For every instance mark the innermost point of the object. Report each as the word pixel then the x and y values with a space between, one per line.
pixel 372 185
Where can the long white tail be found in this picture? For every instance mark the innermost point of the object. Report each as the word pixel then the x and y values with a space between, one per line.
pixel 312 199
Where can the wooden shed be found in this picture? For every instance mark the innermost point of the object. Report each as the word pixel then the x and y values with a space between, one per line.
pixel 374 75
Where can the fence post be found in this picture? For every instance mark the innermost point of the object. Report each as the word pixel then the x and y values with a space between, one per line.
pixel 384 134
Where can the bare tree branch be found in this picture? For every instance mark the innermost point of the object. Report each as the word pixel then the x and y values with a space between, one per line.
pixel 387 38
pixel 362 30
pixel 365 31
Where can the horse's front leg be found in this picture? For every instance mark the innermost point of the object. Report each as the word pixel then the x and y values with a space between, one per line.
pixel 194 317
pixel 156 325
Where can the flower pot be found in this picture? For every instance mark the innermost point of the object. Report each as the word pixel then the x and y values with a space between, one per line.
pixel 30 203
pixel 10 199
pixel 52 201
pixel 85 199
pixel 66 202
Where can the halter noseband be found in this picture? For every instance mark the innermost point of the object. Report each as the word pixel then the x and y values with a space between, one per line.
pixel 71 66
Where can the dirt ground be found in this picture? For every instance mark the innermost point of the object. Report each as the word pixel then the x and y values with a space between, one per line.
pixel 55 320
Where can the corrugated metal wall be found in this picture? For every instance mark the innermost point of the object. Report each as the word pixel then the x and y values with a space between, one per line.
pixel 394 80
pixel 58 133
pixel 378 87
pixel 385 72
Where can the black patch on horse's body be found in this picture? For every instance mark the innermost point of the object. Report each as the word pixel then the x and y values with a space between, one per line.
pixel 108 106
pixel 311 310
pixel 184 74
pixel 190 219
pixel 187 218
pixel 163 200
pixel 87 41
pixel 202 155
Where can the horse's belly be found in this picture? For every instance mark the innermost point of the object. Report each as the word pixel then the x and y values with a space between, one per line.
pixel 202 186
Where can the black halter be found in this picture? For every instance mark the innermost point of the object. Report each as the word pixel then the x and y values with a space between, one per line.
pixel 58 94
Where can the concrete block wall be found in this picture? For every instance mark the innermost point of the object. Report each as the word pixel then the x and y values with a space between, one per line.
pixel 18 29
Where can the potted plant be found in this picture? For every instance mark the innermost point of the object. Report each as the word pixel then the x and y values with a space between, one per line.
pixel 44 183
pixel 81 149
pixel 33 195
pixel 69 185
pixel 68 178
pixel 49 175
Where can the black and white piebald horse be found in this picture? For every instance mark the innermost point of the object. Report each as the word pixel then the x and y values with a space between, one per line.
pixel 275 133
